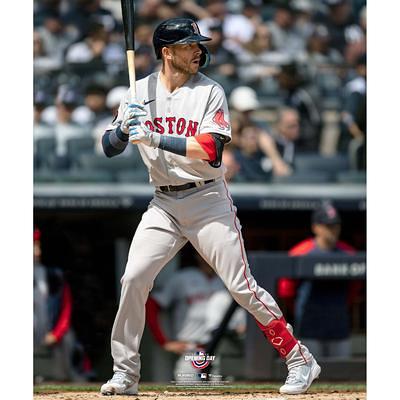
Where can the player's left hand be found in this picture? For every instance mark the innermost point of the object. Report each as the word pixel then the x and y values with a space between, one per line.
pixel 49 339
pixel 139 132
pixel 131 116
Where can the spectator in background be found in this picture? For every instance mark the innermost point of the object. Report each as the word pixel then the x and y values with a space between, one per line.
pixel 356 43
pixel 258 58
pixel 41 129
pixel 304 12
pixel 279 146
pixel 301 95
pixel 95 52
pixel 244 105
pixel 84 12
pixel 222 65
pixel 249 156
pixel 340 22
pixel 65 128
pixel 319 54
pixel 51 40
pixel 42 8
pixel 321 307
pixel 354 120
pixel 145 61
pixel 285 38
pixel 144 35
pixel 94 108
pixel 237 29
pixel 152 11
pixel 113 100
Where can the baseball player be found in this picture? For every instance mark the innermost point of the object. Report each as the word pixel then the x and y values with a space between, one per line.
pixel 180 123
pixel 198 300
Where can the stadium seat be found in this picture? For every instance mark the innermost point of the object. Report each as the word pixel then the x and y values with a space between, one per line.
pixel 114 165
pixel 316 162
pixel 78 146
pixel 44 147
pixel 135 176
pixel 77 176
pixel 304 177
pixel 352 177
pixel 44 175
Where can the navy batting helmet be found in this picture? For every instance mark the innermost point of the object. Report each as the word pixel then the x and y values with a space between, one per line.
pixel 180 31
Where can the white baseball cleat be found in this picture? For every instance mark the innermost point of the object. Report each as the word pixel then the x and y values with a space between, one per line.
pixel 120 383
pixel 300 378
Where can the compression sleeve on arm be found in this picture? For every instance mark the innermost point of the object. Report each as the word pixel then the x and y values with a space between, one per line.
pixel 114 142
pixel 175 145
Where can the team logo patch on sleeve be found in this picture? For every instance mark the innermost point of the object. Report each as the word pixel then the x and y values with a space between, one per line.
pixel 219 119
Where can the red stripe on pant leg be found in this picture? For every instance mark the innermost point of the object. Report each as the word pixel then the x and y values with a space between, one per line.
pixel 242 252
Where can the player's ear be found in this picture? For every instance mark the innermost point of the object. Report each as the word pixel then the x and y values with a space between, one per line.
pixel 166 53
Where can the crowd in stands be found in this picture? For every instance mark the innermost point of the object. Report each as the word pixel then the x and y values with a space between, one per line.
pixel 294 73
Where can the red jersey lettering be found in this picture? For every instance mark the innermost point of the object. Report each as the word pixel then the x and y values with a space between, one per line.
pixel 180 126
pixel 170 121
pixel 157 123
pixel 192 128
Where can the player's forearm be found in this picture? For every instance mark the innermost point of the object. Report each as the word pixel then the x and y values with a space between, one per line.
pixel 187 147
pixel 114 142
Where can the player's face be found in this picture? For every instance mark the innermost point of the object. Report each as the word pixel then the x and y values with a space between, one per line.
pixel 329 234
pixel 185 58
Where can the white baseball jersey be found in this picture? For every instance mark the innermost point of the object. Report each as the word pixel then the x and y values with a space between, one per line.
pixel 199 106
pixel 188 292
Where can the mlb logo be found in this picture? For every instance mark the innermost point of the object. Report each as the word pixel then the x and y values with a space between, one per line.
pixel 203 376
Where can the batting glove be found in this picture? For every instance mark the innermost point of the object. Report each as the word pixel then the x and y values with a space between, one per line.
pixel 139 132
pixel 131 116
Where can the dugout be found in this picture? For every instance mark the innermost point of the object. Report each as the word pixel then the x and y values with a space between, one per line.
pixel 87 228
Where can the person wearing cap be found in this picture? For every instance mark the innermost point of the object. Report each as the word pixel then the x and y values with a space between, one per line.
pixel 321 307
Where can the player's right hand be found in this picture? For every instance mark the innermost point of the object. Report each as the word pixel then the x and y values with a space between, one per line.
pixel 131 116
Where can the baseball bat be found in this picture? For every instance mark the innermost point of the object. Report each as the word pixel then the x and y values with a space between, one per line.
pixel 128 20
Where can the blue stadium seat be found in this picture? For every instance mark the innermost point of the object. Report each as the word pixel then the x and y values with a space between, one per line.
pixel 352 177
pixel 44 175
pixel 78 146
pixel 135 176
pixel 316 162
pixel 304 177
pixel 44 147
pixel 77 176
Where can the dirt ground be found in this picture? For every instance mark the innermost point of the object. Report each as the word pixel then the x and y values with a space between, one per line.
pixel 203 396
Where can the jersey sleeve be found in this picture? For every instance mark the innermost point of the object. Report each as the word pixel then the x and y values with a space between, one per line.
pixel 216 118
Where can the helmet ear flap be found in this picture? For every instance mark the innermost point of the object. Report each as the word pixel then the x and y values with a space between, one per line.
pixel 205 56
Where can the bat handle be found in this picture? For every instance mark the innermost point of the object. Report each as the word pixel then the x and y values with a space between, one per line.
pixel 130 55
